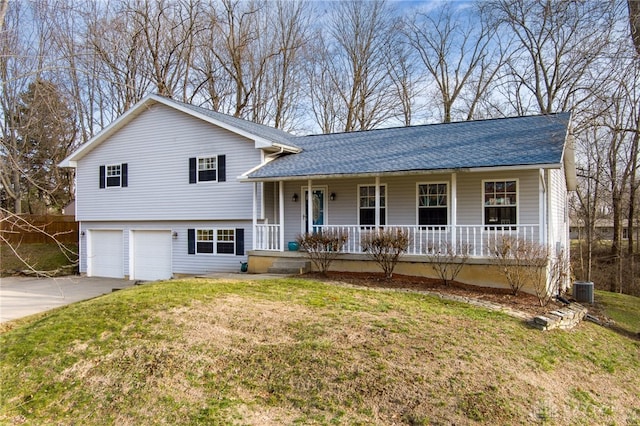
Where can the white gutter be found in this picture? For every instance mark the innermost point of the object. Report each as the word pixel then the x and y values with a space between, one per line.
pixel 246 178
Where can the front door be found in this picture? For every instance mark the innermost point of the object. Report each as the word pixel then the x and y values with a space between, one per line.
pixel 317 206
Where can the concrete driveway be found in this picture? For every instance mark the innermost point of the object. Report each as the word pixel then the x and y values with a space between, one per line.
pixel 23 296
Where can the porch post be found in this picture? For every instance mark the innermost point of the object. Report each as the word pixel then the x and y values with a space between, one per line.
pixel 454 209
pixel 281 213
pixel 309 207
pixel 377 207
pixel 254 216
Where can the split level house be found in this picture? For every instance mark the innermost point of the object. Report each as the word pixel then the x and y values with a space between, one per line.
pixel 170 189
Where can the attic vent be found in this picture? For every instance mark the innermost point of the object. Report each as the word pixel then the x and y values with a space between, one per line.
pixel 583 291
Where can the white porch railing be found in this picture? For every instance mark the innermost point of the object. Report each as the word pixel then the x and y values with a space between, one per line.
pixel 474 240
pixel 268 237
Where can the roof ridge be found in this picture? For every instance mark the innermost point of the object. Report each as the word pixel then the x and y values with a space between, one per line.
pixel 438 124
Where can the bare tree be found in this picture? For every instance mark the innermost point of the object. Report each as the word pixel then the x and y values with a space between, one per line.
pixel 557 46
pixel 459 52
pixel 167 31
pixel 360 36
pixel 634 22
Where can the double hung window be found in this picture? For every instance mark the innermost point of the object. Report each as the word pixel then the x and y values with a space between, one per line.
pixel 113 175
pixel 367 204
pixel 500 202
pixel 432 204
pixel 225 241
pixel 204 242
pixel 222 241
pixel 207 169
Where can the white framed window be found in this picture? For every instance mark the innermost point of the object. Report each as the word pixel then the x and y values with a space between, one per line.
pixel 226 241
pixel 207 169
pixel 433 203
pixel 204 241
pixel 500 203
pixel 367 204
pixel 114 175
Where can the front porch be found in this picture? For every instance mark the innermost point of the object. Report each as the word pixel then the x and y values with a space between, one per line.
pixel 473 241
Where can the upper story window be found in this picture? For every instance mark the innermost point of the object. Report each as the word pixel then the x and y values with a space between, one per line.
pixel 113 175
pixel 500 202
pixel 432 204
pixel 207 169
pixel 367 204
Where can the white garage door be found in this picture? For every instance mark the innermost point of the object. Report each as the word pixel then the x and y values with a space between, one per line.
pixel 105 254
pixel 151 255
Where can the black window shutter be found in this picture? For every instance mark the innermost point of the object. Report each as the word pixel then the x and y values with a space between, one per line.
pixel 239 241
pixel 191 240
pixel 124 170
pixel 222 168
pixel 192 170
pixel 103 178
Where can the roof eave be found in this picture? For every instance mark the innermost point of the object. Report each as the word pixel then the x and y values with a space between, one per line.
pixel 247 178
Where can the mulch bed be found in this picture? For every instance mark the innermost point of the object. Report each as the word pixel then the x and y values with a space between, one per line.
pixel 522 302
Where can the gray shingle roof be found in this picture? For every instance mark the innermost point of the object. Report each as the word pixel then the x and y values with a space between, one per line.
pixel 266 132
pixel 518 141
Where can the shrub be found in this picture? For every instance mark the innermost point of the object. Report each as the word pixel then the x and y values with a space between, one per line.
pixel 448 262
pixel 322 247
pixel 522 262
pixel 559 268
pixel 385 247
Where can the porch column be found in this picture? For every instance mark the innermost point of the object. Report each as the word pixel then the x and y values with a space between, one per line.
pixel 254 216
pixel 454 209
pixel 281 213
pixel 309 207
pixel 377 208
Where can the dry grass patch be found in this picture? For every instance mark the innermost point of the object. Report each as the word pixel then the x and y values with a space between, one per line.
pixel 301 352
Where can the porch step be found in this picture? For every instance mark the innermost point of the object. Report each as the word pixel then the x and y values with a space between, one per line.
pixel 290 266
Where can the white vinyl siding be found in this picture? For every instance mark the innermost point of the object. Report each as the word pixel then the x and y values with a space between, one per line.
pixel 558 225
pixel 157 146
pixel 181 261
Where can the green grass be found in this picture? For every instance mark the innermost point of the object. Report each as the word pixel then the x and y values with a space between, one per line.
pixel 303 352
pixel 623 309
pixel 42 257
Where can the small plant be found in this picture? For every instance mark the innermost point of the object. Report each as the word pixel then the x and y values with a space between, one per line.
pixel 523 263
pixel 447 262
pixel 322 247
pixel 386 247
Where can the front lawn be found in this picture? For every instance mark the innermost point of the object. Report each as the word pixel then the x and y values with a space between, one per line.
pixel 297 351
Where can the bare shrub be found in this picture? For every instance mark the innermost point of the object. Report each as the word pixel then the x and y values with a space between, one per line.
pixel 559 274
pixel 522 262
pixel 447 262
pixel 322 248
pixel 385 247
